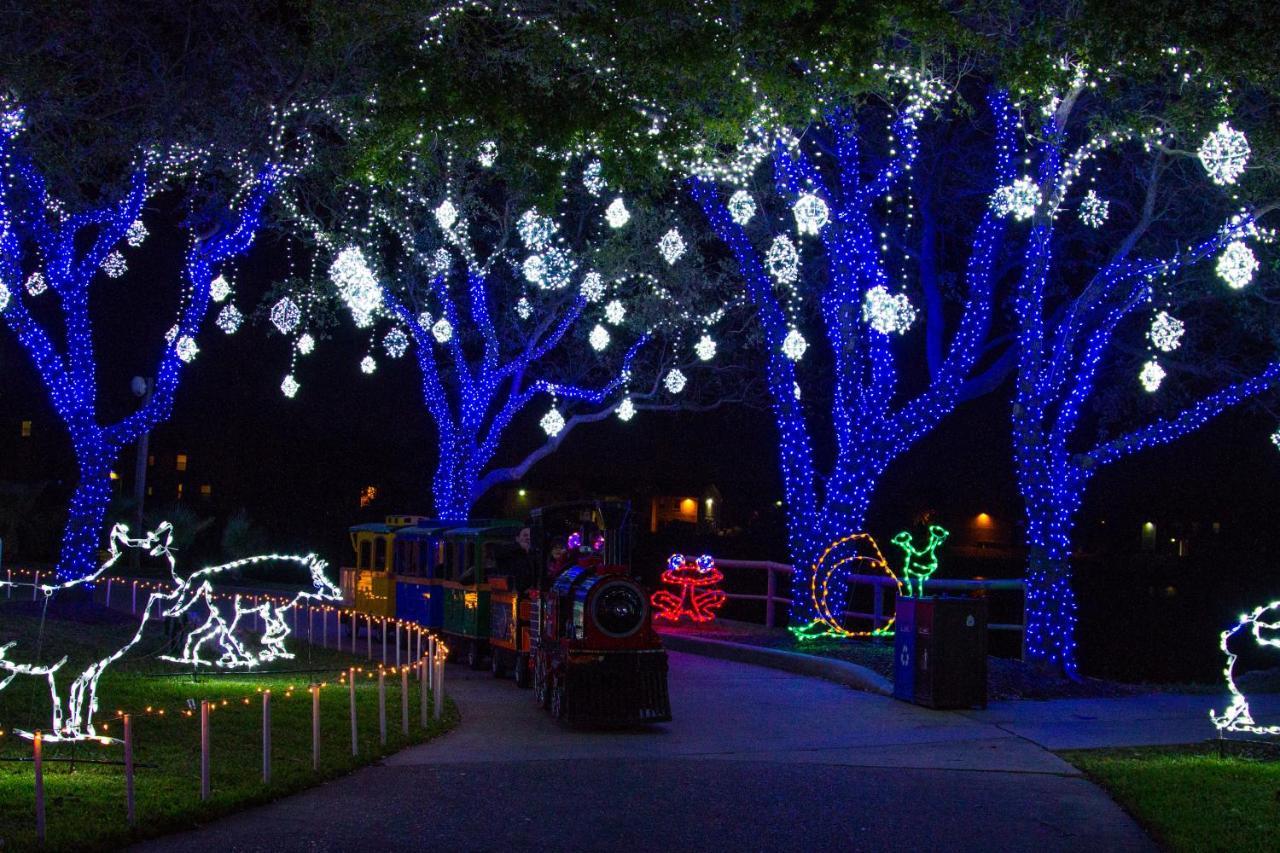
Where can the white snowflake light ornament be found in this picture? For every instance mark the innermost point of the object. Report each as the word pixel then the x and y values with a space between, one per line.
pixel 592 288
pixel 887 313
pixel 615 312
pixel 114 265
pixel 552 423
pixel 442 331
pixel 357 285
pixel 1224 154
pixel 306 344
pixel 811 214
pixel 599 338
pixel 1151 375
pixel 285 315
pixel 593 177
pixel 1166 332
pixel 616 214
pixel 1237 264
pixel 395 343
pixel 289 387
pixel 524 309
pixel 671 246
pixel 1094 209
pixel 675 381
pixel 705 348
pixel 229 319
pixel 368 365
pixel 446 214
pixel 626 409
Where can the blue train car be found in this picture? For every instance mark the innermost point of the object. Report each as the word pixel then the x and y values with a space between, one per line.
pixel 419 562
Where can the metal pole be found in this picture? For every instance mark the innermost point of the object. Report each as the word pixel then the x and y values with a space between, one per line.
pixel 204 749
pixel 266 737
pixel 351 689
pixel 130 812
pixel 37 759
pixel 315 727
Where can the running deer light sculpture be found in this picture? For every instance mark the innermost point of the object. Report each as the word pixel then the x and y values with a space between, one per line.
pixel 225 610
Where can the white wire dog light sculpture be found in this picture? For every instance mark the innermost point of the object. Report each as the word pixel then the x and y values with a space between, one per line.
pixel 74 721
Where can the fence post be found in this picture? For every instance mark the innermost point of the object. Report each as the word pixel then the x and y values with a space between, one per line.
pixel 770 589
pixel 438 680
pixel 382 706
pixel 315 727
pixel 368 636
pixel 384 641
pixel 109 580
pixel 133 604
pixel 266 737
pixel 404 701
pixel 324 629
pixel 37 760
pixel 397 642
pixel 204 749
pixel 422 694
pixel 129 809
pixel 351 690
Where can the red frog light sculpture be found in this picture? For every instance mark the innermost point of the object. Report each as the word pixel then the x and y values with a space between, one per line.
pixel 698 598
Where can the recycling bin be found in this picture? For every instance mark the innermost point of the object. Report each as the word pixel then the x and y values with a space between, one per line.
pixel 940 650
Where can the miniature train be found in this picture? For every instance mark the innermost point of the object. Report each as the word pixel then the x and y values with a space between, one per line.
pixel 551 602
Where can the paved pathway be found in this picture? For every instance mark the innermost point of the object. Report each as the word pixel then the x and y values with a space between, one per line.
pixel 756 759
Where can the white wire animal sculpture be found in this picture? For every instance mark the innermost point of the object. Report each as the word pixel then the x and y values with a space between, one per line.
pixel 74 721
pixel 1237 717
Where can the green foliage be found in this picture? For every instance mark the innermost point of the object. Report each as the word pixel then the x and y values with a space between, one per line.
pixel 242 538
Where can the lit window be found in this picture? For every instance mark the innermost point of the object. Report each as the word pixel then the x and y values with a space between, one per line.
pixel 182 461
pixel 26 429
pixel 206 490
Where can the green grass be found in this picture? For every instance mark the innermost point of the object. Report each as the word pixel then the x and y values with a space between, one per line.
pixel 1189 797
pixel 85 802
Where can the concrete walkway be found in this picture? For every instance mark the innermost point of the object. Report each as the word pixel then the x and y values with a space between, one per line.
pixel 756 759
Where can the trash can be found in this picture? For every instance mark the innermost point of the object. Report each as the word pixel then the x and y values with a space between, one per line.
pixel 947 649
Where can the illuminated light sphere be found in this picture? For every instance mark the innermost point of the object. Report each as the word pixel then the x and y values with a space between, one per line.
pixel 599 338
pixel 811 214
pixel 368 365
pixel 742 207
pixel 615 312
pixel 1166 332
pixel 487 154
pixel 4 296
pixel 592 288
pixel 285 315
pixel 357 285
pixel 36 284
pixel 524 308
pixel 674 381
pixel 1151 375
pixel 534 269
pixel 535 230
pixel 705 348
pixel 1236 264
pixel 593 177
pixel 1094 209
pixel 626 409
pixel 782 260
pixel 114 265
pixel 442 331
pixel 446 214
pixel 425 320
pixel 289 387
pixel 794 345
pixel 186 348
pixel 441 261
pixel 395 343
pixel 219 289
pixel 136 234
pixel 306 344
pixel 229 319
pixel 558 268
pixel 616 214
pixel 1275 439
pixel 1224 154
pixel 886 312
pixel 671 246
pixel 1019 199
pixel 552 422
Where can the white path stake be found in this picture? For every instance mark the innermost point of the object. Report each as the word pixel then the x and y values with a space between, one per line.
pixel 129 808
pixel 204 749
pixel 324 630
pixel 133 604
pixel 311 625
pixel 266 737
pixel 368 637
pixel 422 694
pixel 315 727
pixel 404 701
pixel 351 689
pixel 438 680
pixel 397 643
pixel 109 580
pixel 382 707
pixel 37 760
pixel 384 641
pixel 9 588
pixel 35 586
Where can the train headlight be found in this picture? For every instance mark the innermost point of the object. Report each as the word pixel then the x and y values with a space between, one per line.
pixel 619 609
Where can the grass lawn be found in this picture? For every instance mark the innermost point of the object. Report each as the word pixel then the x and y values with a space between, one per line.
pixel 85 802
pixel 1189 798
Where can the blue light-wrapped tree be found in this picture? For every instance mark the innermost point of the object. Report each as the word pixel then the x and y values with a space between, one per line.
pixel 838 184
pixel 51 254
pixel 1093 285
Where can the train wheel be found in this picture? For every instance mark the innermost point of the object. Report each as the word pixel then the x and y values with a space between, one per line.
pixel 540 693
pixel 557 698
pixel 523 678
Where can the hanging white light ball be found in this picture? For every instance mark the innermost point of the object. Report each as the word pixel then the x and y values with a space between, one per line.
pixel 289 387
pixel 782 260
pixel 794 345
pixel 524 308
pixel 626 409
pixel 671 246
pixel 1019 199
pixel 114 265
pixel 357 285
pixel 1237 264
pixel 487 154
pixel 593 177
pixel 535 230
pixel 229 319
pixel 742 207
pixel 1151 375
pixel 552 422
pixel 1094 209
pixel 36 284
pixel 219 289
pixel 446 214
pixel 705 348
pixel 285 315
pixel 592 288
pixel 1166 332
pixel 368 365
pixel 396 343
pixel 1275 439
pixel 616 214
pixel 1224 154
pixel 674 381
pixel 442 331
pixel 4 296
pixel 886 312
pixel 186 348
pixel 615 312
pixel 306 344
pixel 136 234
pixel 811 214
pixel 599 338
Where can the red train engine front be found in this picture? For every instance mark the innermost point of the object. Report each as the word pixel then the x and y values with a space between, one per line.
pixel 595 655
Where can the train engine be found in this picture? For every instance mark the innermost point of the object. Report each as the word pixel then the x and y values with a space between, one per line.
pixel 594 652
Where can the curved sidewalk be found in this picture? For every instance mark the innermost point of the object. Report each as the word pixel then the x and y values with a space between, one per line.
pixel 756 759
